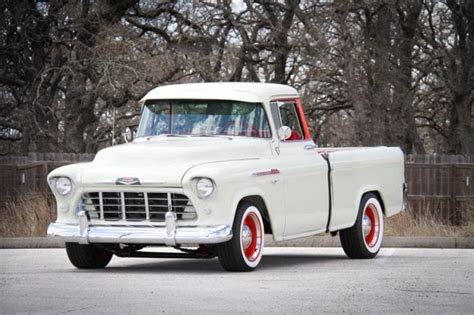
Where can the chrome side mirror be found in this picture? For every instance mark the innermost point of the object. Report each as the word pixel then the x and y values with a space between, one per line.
pixel 128 135
pixel 284 133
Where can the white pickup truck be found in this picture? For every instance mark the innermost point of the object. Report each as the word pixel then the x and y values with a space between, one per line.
pixel 212 169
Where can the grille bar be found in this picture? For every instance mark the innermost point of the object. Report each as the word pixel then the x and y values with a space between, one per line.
pixel 122 200
pixel 101 206
pixel 147 207
pixel 137 206
pixel 170 205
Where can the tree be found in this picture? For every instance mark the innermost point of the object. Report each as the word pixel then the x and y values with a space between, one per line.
pixel 385 72
pixel 460 78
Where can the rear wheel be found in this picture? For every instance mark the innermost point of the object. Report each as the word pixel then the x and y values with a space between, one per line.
pixel 244 251
pixel 364 239
pixel 87 256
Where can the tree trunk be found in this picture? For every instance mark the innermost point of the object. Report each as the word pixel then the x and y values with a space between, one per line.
pixel 403 131
pixel 282 47
pixel 381 100
pixel 461 126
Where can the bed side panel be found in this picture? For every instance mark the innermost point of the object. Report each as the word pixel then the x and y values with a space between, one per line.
pixel 357 171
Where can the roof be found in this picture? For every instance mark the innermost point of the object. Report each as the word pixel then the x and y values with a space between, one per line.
pixel 238 91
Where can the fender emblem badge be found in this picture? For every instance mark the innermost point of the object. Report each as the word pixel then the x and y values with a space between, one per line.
pixel 273 171
pixel 127 181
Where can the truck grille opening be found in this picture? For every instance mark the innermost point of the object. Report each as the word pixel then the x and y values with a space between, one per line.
pixel 136 206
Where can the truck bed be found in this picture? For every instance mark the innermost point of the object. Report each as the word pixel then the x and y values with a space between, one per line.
pixel 354 171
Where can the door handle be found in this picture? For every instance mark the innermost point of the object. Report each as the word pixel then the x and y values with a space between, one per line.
pixel 310 147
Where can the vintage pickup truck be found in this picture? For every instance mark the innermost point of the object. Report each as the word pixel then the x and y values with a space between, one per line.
pixel 212 169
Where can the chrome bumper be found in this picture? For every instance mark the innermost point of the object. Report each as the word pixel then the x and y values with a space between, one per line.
pixel 168 235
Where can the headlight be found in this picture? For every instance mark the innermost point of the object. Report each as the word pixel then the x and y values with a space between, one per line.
pixel 62 185
pixel 204 187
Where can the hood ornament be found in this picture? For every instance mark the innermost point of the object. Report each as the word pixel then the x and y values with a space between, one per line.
pixel 127 181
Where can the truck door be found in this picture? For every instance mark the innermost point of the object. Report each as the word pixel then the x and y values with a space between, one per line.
pixel 304 173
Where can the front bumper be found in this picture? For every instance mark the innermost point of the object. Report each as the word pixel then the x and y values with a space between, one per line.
pixel 168 235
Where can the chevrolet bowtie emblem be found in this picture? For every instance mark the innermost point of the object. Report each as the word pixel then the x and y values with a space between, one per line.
pixel 127 181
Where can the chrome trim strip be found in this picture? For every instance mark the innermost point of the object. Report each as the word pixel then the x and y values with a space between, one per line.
pixel 122 200
pixel 146 182
pixel 170 203
pixel 98 222
pixel 153 182
pixel 101 206
pixel 147 208
pixel 140 235
pixel 273 171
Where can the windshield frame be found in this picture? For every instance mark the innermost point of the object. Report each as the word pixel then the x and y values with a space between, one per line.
pixel 144 103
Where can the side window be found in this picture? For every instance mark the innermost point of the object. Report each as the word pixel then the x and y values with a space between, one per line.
pixel 289 117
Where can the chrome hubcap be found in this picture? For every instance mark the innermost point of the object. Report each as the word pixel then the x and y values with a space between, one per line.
pixel 246 236
pixel 366 225
pixel 371 225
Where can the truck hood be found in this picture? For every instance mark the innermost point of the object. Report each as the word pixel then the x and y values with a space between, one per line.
pixel 164 160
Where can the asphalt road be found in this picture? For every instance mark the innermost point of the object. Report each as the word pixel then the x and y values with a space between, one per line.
pixel 289 280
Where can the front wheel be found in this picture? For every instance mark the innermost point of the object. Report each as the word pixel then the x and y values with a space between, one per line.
pixel 244 251
pixel 87 256
pixel 364 239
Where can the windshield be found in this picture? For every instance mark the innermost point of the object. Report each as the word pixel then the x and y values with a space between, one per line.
pixel 203 118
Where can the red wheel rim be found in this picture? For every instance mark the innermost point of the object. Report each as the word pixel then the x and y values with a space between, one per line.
pixel 251 236
pixel 370 225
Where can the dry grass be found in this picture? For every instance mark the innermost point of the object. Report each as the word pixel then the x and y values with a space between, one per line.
pixel 409 224
pixel 26 216
pixel 30 216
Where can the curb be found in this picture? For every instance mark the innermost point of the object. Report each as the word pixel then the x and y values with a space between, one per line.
pixel 29 242
pixel 388 242
pixel 313 241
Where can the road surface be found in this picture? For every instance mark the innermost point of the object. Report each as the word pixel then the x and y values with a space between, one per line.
pixel 289 280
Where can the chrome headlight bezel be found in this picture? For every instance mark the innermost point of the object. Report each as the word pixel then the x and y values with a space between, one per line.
pixel 62 185
pixel 205 187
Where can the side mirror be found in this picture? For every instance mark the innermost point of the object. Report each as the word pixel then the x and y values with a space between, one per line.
pixel 284 133
pixel 128 135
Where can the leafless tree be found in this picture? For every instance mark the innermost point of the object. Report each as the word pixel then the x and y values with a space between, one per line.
pixel 382 72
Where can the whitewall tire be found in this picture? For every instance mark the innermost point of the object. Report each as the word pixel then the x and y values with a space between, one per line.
pixel 364 239
pixel 244 251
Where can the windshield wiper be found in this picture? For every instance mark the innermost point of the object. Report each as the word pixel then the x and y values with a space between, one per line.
pixel 202 135
pixel 172 135
pixel 212 136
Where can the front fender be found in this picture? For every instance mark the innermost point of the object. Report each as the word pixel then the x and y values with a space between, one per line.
pixel 234 181
pixel 65 205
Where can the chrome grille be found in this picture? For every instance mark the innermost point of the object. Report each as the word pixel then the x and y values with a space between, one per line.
pixel 136 206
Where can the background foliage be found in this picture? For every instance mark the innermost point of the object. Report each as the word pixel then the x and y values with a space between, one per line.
pixel 397 72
